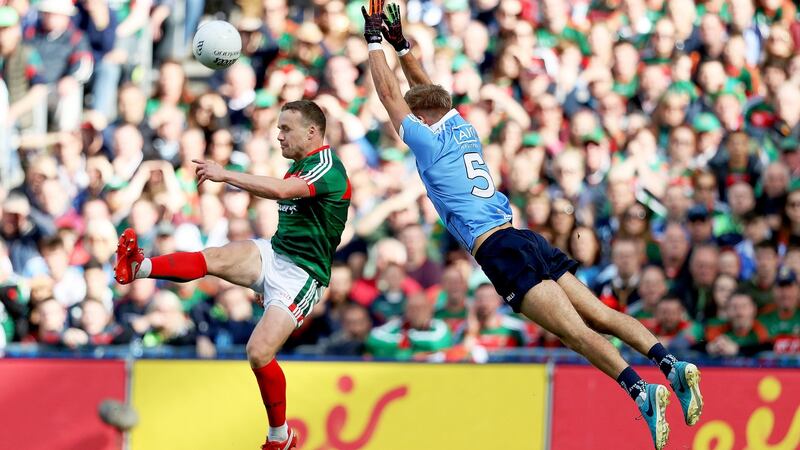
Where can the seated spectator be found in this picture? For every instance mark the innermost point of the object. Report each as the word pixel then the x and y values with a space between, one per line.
pixel 417 335
pixel 700 225
pixel 721 291
pixel 165 323
pixel 96 327
pixel 672 326
pixel 585 248
pixel 620 290
pixel 49 320
pixel 351 338
pixel 135 304
pixel 19 232
pixel 68 56
pixel 70 287
pixel 759 287
pixel 742 335
pixel 493 330
pixel 783 323
pixel 696 295
pixel 420 267
pixel 452 301
pixel 391 300
pixel 652 288
pixel 226 323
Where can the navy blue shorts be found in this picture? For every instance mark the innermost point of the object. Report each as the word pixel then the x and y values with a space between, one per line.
pixel 517 260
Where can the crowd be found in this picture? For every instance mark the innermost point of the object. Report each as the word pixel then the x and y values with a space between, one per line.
pixel 656 142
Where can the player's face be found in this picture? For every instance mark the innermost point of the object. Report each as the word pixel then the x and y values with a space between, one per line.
pixel 293 135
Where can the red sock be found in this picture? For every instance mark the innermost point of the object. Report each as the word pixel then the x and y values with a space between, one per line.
pixel 272 384
pixel 179 267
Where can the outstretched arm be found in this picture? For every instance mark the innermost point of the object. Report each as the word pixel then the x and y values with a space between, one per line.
pixel 393 32
pixel 266 187
pixel 385 83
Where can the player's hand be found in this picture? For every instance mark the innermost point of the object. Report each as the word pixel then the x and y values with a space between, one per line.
pixel 208 170
pixel 393 29
pixel 373 22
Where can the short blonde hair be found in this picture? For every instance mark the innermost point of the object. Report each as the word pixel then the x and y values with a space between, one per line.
pixel 428 97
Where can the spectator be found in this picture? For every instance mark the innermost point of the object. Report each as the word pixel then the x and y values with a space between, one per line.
pixel 672 327
pixel 585 248
pixel 743 335
pixel 419 266
pixel 494 330
pixel 783 323
pixel 96 327
pixel 652 288
pixel 68 56
pixel 226 323
pixel 417 335
pixel 697 295
pixel 351 339
pixel 723 288
pixel 391 300
pixel 50 322
pixel 759 287
pixel 21 70
pixel 69 288
pixel 165 323
pixel 452 301
pixel 700 225
pixel 620 290
pixel 20 234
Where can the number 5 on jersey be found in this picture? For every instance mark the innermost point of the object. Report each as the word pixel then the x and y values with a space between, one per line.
pixel 479 170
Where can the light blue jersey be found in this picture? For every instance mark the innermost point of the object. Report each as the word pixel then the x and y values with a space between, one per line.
pixel 450 163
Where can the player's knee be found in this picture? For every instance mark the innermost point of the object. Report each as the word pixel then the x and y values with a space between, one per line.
pixel 258 355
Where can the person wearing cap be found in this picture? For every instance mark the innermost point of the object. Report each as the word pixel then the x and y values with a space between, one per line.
pixel 709 138
pixel 68 56
pixel 783 322
pixel 21 70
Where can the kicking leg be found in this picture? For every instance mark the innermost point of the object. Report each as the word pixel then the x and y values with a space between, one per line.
pixel 269 335
pixel 237 262
pixel 683 376
pixel 548 305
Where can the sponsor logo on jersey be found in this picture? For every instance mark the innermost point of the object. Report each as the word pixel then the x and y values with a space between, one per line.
pixel 288 209
pixel 465 134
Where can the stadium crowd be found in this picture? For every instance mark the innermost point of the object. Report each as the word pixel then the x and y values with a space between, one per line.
pixel 657 142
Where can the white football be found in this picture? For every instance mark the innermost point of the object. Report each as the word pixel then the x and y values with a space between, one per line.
pixel 217 44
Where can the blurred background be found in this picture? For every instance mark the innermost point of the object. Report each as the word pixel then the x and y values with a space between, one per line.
pixel 656 142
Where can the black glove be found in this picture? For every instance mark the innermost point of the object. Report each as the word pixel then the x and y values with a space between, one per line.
pixel 393 31
pixel 373 22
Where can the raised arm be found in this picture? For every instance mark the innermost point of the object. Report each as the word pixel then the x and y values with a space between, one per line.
pixel 393 32
pixel 385 83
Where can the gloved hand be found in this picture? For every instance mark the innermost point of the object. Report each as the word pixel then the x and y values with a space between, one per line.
pixel 393 30
pixel 373 22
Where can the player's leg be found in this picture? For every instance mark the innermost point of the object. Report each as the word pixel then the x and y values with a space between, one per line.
pixel 547 305
pixel 289 295
pixel 683 376
pixel 268 337
pixel 237 262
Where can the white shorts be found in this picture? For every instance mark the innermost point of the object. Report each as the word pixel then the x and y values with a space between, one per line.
pixel 285 285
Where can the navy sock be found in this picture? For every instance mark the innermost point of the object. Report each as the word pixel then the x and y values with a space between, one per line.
pixel 663 359
pixel 631 382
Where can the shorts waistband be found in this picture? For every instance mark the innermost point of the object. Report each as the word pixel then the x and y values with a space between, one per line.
pixel 490 241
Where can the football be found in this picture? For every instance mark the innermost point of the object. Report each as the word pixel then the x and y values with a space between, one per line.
pixel 217 44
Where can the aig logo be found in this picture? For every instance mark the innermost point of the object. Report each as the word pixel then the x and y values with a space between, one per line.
pixel 465 134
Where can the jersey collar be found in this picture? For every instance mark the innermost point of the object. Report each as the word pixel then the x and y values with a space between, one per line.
pixel 438 125
pixel 324 147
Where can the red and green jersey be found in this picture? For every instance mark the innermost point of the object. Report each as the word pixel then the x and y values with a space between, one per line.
pixel 396 339
pixel 310 229
pixel 508 332
pixel 780 325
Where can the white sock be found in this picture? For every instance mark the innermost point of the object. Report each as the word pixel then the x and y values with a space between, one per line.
pixel 279 434
pixel 144 269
